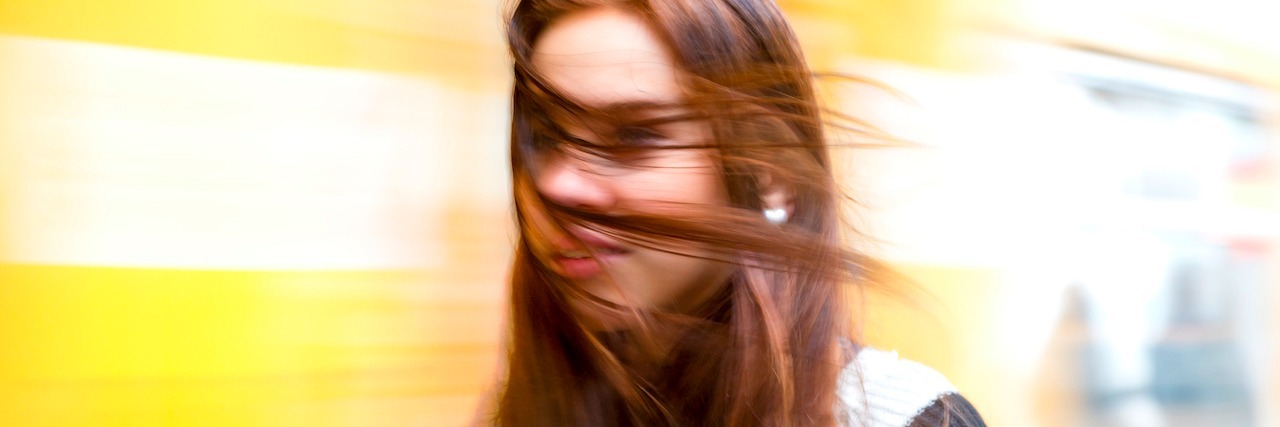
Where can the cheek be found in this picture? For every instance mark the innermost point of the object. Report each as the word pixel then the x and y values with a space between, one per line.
pixel 705 187
pixel 675 280
pixel 687 178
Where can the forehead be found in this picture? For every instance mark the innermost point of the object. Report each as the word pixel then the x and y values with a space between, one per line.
pixel 604 56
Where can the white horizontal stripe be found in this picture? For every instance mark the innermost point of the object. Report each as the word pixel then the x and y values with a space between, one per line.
pixel 122 156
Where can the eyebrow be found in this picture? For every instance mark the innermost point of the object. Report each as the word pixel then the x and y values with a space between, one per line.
pixel 640 105
pixel 625 110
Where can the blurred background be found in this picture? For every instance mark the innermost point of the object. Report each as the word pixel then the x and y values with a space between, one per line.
pixel 295 212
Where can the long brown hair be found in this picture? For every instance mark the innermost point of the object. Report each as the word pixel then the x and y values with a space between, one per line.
pixel 769 347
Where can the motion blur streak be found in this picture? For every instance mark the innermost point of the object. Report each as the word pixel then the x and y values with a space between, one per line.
pixel 247 213
pixel 295 212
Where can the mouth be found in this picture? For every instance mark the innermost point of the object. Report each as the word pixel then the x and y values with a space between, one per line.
pixel 575 262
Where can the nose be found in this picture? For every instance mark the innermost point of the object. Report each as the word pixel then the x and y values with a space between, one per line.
pixel 567 181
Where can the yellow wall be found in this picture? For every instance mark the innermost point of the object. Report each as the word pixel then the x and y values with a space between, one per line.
pixel 121 346
pixel 92 340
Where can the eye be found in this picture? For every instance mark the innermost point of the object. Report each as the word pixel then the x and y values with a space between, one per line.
pixel 638 137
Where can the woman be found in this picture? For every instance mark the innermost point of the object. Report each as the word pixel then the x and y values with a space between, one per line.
pixel 679 260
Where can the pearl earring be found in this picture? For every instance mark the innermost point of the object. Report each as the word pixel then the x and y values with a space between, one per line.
pixel 775 216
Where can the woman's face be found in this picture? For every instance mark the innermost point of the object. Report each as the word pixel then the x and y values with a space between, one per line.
pixel 609 60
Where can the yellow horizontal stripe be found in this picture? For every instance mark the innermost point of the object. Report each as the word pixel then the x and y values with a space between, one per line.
pixel 72 322
pixel 129 346
pixel 407 37
pixel 238 28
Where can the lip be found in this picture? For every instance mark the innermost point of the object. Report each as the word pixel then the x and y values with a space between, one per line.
pixel 575 262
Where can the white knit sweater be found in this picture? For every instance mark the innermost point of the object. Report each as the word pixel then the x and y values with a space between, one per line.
pixel 878 389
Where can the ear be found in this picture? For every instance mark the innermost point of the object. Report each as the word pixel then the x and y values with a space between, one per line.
pixel 775 194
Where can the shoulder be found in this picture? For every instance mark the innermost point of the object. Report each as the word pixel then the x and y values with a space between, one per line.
pixel 880 389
